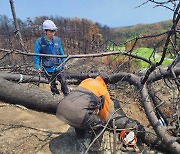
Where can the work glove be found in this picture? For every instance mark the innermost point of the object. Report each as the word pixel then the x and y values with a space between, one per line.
pixel 39 71
pixel 65 67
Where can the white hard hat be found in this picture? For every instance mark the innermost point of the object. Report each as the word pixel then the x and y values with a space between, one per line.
pixel 48 24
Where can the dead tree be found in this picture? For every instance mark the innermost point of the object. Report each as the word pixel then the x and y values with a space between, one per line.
pixel 16 22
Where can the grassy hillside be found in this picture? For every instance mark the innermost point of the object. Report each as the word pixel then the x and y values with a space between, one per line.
pixel 142 29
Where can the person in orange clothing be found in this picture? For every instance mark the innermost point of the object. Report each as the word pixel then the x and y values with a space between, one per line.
pixel 98 87
pixel 87 106
pixel 87 110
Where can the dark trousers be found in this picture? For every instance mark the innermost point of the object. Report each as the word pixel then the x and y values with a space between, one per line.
pixel 91 128
pixel 95 124
pixel 59 76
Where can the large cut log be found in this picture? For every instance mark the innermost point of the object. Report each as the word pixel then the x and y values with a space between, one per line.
pixel 32 98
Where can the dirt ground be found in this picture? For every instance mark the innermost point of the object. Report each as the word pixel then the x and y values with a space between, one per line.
pixel 26 131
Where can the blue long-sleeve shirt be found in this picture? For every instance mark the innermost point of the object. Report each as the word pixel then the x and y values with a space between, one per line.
pixel 37 59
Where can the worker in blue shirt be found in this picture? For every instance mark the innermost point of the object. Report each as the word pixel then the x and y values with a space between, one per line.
pixel 50 44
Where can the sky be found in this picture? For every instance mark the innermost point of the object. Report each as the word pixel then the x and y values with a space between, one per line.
pixel 113 13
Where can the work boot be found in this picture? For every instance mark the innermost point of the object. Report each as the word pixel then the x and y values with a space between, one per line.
pixel 55 91
pixel 122 122
pixel 96 146
pixel 65 94
pixel 80 133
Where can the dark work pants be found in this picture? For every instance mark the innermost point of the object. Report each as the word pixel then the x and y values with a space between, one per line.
pixel 59 76
pixel 92 124
pixel 95 124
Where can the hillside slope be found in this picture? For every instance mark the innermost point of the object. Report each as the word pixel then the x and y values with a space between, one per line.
pixel 141 29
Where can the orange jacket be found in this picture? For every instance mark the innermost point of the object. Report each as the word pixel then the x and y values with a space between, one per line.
pixel 99 88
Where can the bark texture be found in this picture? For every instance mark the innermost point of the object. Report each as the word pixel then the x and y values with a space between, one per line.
pixel 32 98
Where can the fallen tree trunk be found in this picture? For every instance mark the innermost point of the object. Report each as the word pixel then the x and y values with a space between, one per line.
pixel 22 78
pixel 32 98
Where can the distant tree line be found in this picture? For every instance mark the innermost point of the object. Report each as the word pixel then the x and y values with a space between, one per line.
pixel 78 35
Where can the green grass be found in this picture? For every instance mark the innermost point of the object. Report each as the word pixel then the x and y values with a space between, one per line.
pixel 142 52
pixel 141 64
pixel 146 53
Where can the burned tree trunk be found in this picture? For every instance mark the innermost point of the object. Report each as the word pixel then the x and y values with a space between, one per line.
pixel 22 78
pixel 32 98
pixel 16 22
